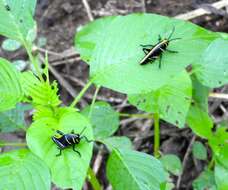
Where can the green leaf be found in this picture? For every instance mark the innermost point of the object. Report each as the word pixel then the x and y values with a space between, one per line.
pixel 10 45
pixel 206 180
pixel 39 93
pixel 117 52
pixel 213 70
pixel 171 101
pixel 199 151
pixel 200 93
pixel 12 120
pixel 219 144
pixel 104 119
pixel 22 170
pixel 20 64
pixel 127 169
pixel 17 19
pixel 221 176
pixel 68 170
pixel 172 164
pixel 10 88
pixel 199 121
pixel 88 36
pixel 117 142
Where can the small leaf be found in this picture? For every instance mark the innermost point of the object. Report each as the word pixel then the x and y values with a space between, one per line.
pixel 171 101
pixel 219 144
pixel 22 170
pixel 127 169
pixel 104 119
pixel 199 121
pixel 12 120
pixel 172 164
pixel 39 93
pixel 221 176
pixel 117 142
pixel 10 87
pixel 10 45
pixel 199 151
pixel 20 64
pixel 68 170
pixel 114 51
pixel 18 23
pixel 213 71
pixel 206 180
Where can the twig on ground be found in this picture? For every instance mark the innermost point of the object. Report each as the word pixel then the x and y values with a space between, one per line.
pixel 88 9
pixel 185 161
pixel 200 12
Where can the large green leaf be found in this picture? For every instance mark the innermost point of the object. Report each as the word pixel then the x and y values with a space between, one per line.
pixel 199 121
pixel 16 19
pixel 221 176
pixel 127 169
pixel 104 119
pixel 13 119
pixel 10 88
pixel 68 170
pixel 171 101
pixel 213 70
pixel 117 52
pixel 22 170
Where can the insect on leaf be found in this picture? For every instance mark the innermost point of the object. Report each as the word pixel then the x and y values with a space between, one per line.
pixel 114 52
pixel 73 168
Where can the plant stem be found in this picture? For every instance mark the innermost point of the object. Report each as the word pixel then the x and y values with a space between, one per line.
pixel 79 96
pixel 211 163
pixel 147 116
pixel 93 180
pixel 156 135
pixel 93 101
pixel 13 144
pixel 33 60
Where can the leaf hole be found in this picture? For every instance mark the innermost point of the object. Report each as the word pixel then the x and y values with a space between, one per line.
pixel 7 7
pixel 220 82
pixel 177 122
pixel 43 66
pixel 167 108
pixel 44 77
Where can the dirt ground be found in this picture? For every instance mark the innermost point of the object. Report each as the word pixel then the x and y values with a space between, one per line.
pixel 57 22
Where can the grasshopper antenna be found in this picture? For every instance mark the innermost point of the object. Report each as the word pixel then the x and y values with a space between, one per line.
pixel 173 30
pixel 82 130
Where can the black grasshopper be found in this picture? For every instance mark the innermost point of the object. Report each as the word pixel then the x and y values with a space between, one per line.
pixel 152 52
pixel 69 139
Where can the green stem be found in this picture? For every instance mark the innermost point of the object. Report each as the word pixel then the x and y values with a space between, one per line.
pixel 211 163
pixel 13 144
pixel 147 116
pixel 93 180
pixel 33 59
pixel 93 101
pixel 156 135
pixel 79 96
